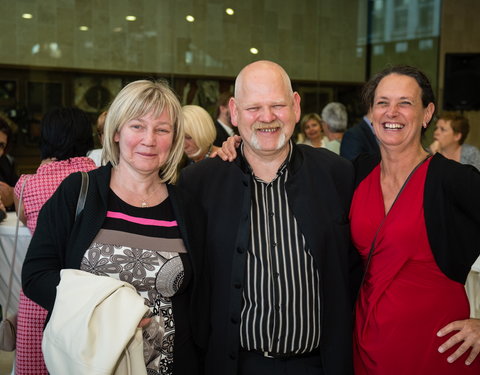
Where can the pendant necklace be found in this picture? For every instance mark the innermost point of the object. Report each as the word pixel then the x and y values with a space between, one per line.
pixel 144 203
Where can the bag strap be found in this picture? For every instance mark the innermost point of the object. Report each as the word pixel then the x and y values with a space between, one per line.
pixel 80 204
pixel 14 252
pixel 372 247
pixel 83 194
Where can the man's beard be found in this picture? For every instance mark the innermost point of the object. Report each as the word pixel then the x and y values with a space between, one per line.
pixel 254 141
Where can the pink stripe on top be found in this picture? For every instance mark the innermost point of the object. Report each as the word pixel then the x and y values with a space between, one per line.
pixel 139 220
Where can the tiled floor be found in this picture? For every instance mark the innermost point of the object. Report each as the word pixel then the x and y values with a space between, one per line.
pixel 6 361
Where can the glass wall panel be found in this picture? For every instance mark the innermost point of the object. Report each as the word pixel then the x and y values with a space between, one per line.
pixel 405 32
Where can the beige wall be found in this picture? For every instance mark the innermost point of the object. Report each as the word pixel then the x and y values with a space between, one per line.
pixel 313 40
pixel 460 32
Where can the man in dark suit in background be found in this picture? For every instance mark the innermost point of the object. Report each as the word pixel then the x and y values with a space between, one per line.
pixel 223 124
pixel 359 139
pixel 278 240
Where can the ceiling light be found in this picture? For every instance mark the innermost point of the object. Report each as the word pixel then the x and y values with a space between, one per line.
pixel 117 29
pixel 27 16
pixel 131 18
pixel 190 18
pixel 253 51
pixel 83 28
pixel 229 11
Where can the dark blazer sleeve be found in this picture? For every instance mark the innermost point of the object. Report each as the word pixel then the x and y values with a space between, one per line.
pixel 358 140
pixel 191 221
pixel 222 135
pixel 452 215
pixel 350 147
pixel 46 253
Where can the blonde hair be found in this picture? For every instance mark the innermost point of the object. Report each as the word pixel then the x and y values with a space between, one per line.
pixel 308 117
pixel 199 125
pixel 138 99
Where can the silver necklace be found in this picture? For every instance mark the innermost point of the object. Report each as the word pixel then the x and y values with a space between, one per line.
pixel 144 203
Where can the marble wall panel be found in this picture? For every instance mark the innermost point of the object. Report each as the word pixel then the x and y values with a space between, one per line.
pixel 298 35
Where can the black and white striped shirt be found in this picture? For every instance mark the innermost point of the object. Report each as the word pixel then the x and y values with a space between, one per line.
pixel 281 297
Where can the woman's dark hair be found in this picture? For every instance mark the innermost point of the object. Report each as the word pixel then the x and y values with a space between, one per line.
pixel 66 133
pixel 368 92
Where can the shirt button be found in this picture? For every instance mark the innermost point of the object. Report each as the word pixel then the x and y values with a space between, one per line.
pixel 271 213
pixel 237 285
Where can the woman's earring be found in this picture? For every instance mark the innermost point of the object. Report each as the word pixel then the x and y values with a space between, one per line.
pixel 424 125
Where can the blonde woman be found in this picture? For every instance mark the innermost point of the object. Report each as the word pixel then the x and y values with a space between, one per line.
pixel 136 226
pixel 311 127
pixel 199 133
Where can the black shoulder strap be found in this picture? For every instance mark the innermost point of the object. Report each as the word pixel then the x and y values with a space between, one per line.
pixel 83 194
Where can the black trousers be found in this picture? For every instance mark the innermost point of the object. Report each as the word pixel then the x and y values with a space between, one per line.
pixel 253 363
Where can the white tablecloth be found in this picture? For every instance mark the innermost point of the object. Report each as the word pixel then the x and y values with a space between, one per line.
pixel 7 240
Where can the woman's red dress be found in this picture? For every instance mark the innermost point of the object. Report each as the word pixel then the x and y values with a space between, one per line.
pixel 405 298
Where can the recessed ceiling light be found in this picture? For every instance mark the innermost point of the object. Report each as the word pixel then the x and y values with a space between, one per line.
pixel 229 11
pixel 190 18
pixel 27 16
pixel 131 18
pixel 253 51
pixel 117 29
pixel 83 28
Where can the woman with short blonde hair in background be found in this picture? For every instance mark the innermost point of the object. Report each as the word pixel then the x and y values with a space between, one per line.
pixel 311 130
pixel 199 133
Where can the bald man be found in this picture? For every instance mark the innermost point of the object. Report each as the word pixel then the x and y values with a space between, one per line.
pixel 278 240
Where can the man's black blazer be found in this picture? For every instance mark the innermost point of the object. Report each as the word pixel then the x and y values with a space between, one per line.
pixel 357 140
pixel 319 189
pixel 222 134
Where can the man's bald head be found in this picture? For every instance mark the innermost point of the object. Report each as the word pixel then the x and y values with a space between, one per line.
pixel 265 109
pixel 260 70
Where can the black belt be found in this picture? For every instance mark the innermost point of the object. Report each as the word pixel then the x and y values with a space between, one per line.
pixel 271 355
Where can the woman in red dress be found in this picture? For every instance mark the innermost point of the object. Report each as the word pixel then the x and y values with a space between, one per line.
pixel 415 219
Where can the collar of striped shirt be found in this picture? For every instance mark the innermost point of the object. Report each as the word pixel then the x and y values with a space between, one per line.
pixel 248 169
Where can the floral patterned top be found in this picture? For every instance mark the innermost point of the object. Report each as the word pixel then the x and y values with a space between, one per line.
pixel 143 247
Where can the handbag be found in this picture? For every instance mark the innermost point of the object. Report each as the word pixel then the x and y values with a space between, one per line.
pixel 8 326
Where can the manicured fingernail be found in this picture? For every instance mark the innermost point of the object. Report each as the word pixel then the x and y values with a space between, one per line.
pixel 450 359
pixel 468 363
pixel 441 350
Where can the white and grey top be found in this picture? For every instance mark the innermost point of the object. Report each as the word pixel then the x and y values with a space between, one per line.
pixel 470 155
